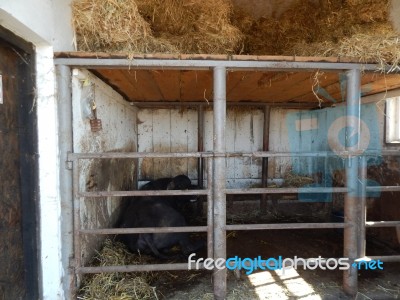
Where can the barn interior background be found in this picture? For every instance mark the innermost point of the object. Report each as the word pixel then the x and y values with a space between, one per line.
pixel 111 111
pixel 303 110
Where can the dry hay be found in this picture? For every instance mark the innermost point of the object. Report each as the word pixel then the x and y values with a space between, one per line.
pixel 382 48
pixel 295 180
pixel 118 286
pixel 307 22
pixel 194 26
pixel 169 26
pixel 346 28
pixel 352 28
pixel 114 26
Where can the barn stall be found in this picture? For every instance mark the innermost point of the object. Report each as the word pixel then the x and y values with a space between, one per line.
pixel 273 142
pixel 237 127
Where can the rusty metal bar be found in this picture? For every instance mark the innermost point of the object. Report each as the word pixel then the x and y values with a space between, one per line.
pixel 77 217
pixel 363 206
pixel 286 190
pixel 155 104
pixel 210 209
pixel 286 226
pixel 135 268
pixel 74 156
pixel 200 146
pixel 200 160
pixel 144 230
pixel 293 154
pixel 386 258
pixel 219 276
pixel 342 153
pixel 105 155
pixel 99 194
pixel 351 201
pixel 374 224
pixel 386 188
pixel 264 168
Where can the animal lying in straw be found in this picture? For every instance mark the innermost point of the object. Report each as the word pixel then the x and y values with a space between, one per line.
pixel 159 211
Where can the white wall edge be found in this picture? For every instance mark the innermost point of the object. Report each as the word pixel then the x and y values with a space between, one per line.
pixel 49 166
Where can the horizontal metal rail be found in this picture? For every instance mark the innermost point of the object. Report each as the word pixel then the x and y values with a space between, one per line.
pixel 108 155
pixel 382 223
pixel 385 188
pixel 118 63
pixel 386 258
pixel 286 226
pixel 135 268
pixel 98 194
pixel 258 154
pixel 252 104
pixel 144 230
pixel 308 190
pixel 315 153
pixel 184 266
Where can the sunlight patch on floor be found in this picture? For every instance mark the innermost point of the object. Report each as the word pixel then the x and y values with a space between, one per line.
pixel 275 285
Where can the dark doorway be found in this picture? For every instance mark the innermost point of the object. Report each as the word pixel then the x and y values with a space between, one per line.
pixel 18 170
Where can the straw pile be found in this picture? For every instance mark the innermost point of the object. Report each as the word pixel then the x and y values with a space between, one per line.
pixel 171 26
pixel 195 26
pixel 353 28
pixel 118 286
pixel 308 22
pixel 295 180
pixel 114 26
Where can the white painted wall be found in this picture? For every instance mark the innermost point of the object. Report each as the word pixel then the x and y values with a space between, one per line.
pixel 118 134
pixel 52 270
pixel 42 22
pixel 47 25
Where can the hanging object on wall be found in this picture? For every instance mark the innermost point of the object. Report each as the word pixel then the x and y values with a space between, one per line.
pixel 89 101
pixel 95 123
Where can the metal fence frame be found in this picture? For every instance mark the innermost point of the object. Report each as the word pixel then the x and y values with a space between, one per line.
pixel 216 191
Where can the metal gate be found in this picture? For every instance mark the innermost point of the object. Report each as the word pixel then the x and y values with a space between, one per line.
pixel 354 203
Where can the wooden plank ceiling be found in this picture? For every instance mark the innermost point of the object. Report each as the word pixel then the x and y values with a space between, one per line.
pixel 242 86
pixel 252 86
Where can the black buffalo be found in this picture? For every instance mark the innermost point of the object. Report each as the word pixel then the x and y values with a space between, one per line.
pixel 159 211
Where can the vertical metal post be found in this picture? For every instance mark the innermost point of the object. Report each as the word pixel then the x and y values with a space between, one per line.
pixel 210 209
pixel 264 178
pixel 77 218
pixel 351 201
pixel 363 206
pixel 200 160
pixel 219 276
pixel 64 107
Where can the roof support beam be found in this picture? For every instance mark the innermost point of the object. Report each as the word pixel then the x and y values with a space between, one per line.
pixel 230 65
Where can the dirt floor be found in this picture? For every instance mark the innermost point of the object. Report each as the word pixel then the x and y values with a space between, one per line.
pixel 295 284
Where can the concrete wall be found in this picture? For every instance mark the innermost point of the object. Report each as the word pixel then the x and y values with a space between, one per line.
pixel 118 134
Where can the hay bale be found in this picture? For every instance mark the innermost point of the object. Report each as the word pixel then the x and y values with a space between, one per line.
pixel 114 26
pixel 354 28
pixel 195 26
pixel 118 286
